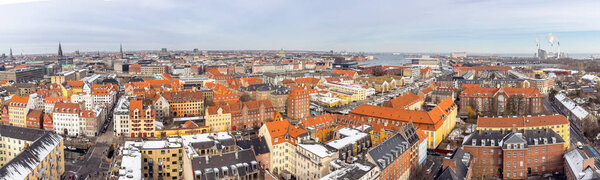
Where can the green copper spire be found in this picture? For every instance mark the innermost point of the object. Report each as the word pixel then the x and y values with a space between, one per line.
pixel 121 50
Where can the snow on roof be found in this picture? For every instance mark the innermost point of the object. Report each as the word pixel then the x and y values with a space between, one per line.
pixel 131 162
pixel 350 136
pixel 317 149
pixel 589 77
pixel 159 144
pixel 194 118
pixel 575 109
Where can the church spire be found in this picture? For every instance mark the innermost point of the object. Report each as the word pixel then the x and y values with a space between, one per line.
pixel 10 56
pixel 60 54
pixel 121 50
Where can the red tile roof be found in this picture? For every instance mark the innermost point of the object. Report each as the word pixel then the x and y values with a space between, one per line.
pixel 525 121
pixel 283 129
pixel 345 72
pixel 404 101
pixel 490 92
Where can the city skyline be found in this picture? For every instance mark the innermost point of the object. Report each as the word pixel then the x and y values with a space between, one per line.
pixel 383 26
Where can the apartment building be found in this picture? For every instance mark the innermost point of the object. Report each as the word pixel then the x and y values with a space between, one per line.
pixel 65 119
pixel 251 114
pixel 218 118
pixel 515 154
pixel 436 123
pixel 350 143
pixel 499 101
pixel 297 104
pixel 27 153
pixel 397 155
pixel 141 119
pixel 185 103
pixel 35 119
pixel 282 139
pixel 18 107
pixel 160 159
pixel 320 128
pixel 313 160
pixel 558 123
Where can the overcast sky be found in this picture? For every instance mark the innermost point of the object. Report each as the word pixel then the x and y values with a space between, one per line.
pixel 475 26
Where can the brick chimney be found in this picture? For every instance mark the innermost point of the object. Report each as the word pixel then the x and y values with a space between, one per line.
pixel 449 163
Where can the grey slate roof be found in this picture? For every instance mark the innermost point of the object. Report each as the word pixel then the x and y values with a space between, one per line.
pixel 463 162
pixel 218 166
pixel 497 138
pixel 24 163
pixel 259 144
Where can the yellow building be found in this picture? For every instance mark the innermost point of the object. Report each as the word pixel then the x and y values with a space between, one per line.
pixel 18 107
pixel 558 123
pixel 436 123
pixel 30 154
pixel 189 128
pixel 218 118
pixel 352 92
pixel 161 159
pixel 382 83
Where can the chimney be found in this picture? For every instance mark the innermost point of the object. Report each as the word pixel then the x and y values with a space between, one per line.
pixel 514 129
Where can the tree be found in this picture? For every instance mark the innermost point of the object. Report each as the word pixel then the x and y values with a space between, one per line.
pixel 245 98
pixel 552 93
pixel 472 115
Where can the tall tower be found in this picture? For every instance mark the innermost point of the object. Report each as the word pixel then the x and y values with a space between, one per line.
pixel 60 54
pixel 121 51
pixel 10 56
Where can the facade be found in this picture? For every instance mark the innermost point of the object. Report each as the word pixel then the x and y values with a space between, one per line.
pixel 282 139
pixel 35 119
pixel 558 123
pixel 65 119
pixel 499 101
pixel 22 75
pixel 436 123
pixel 251 114
pixel 18 107
pixel 313 161
pixel 141 119
pixel 515 154
pixel 27 153
pixel 397 155
pixel 160 159
pixel 121 117
pixel 320 128
pixel 185 103
pixel 297 105
pixel 218 118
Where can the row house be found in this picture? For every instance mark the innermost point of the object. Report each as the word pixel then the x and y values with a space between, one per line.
pixel 141 119
pixel 218 118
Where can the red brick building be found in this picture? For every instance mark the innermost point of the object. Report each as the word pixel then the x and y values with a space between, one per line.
pixel 515 154
pixel 297 105
pixel 35 119
pixel 5 115
pixel 500 101
pixel 48 122
pixel 397 155
pixel 251 114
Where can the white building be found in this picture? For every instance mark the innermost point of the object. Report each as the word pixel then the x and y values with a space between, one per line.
pixel 66 118
pixel 86 99
pixel 121 116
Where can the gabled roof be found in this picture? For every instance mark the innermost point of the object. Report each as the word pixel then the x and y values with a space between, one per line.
pixel 345 72
pixel 404 101
pixel 281 129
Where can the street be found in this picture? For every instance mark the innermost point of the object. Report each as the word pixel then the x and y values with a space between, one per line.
pixel 94 165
